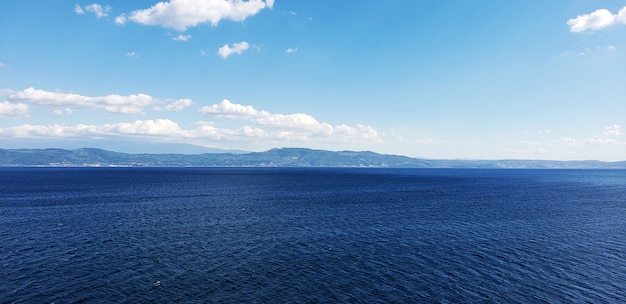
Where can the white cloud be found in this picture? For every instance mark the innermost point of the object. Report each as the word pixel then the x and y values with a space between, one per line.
pixel 60 112
pixel 9 110
pixel 291 50
pixel 34 131
pixel 599 19
pixel 161 127
pixel 2 65
pixel 568 141
pixel 182 14
pixel 614 130
pixel 130 54
pixel 177 105
pixel 237 48
pixel 121 19
pixel 230 110
pixel 248 128
pixel 156 127
pixel 290 126
pixel 596 140
pixel 297 120
pixel 111 103
pixel 181 37
pixel 78 9
pixel 6 92
pixel 99 10
pixel 608 136
pixel 429 141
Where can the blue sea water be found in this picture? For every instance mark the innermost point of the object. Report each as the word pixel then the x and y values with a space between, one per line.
pixel 165 235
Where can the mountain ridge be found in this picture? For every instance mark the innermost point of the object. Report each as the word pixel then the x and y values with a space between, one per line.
pixel 277 157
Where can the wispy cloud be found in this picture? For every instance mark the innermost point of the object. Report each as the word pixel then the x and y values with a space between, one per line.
pixel 78 10
pixel 99 10
pixel 429 141
pixel 182 14
pixel 59 112
pixel 3 65
pixel 130 54
pixel 568 141
pixel 596 20
pixel 291 50
pixel 236 48
pixel 111 103
pixel 181 37
pixel 177 105
pixel 609 136
pixel 614 130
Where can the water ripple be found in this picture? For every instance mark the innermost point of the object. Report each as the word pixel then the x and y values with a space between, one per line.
pixel 262 236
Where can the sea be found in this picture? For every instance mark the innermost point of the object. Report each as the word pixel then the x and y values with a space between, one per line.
pixel 312 235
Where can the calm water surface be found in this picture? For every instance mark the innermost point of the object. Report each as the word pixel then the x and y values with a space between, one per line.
pixel 122 235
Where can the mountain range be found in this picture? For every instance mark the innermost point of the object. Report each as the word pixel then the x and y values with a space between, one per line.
pixel 284 157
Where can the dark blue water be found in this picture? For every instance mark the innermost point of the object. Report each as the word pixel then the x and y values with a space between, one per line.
pixel 312 236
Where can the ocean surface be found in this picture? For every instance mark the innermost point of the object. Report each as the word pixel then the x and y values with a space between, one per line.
pixel 191 235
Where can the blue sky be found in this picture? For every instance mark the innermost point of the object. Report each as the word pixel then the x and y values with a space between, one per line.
pixel 480 79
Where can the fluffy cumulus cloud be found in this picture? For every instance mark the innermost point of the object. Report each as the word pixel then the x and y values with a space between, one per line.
pixel 164 129
pixel 247 127
pixel 236 48
pixel 290 126
pixel 599 19
pixel 34 131
pixel 161 127
pixel 111 103
pixel 156 127
pixel 9 110
pixel 230 110
pixel 182 14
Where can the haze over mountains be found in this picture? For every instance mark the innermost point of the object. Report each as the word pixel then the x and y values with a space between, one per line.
pixel 284 157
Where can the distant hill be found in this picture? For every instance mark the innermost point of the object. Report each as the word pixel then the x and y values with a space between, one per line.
pixel 285 157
